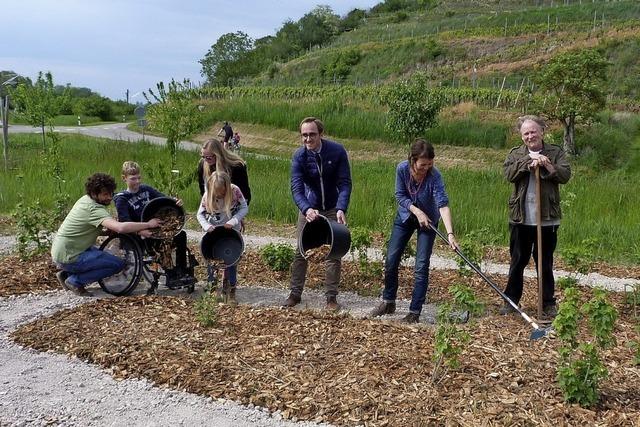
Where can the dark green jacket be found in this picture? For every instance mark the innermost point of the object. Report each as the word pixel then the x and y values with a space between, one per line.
pixel 516 170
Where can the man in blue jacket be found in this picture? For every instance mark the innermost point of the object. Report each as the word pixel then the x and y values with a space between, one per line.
pixel 320 185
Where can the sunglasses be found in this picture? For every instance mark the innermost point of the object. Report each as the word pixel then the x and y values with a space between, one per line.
pixel 208 157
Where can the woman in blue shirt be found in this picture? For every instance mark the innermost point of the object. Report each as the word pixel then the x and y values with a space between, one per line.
pixel 422 199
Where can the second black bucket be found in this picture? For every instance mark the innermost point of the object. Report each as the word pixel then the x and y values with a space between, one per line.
pixel 325 231
pixel 222 244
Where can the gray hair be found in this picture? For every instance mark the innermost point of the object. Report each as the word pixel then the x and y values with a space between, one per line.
pixel 536 119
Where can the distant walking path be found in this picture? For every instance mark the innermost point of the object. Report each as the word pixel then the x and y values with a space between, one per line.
pixel 115 131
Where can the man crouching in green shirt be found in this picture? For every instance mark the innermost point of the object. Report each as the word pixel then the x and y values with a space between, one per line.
pixel 74 250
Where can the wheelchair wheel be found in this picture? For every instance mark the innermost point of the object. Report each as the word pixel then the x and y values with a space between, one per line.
pixel 125 248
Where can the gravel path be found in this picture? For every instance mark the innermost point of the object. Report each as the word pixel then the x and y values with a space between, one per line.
pixel 52 389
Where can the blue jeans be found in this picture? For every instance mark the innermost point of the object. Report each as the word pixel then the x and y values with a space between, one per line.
pixel 400 235
pixel 91 266
pixel 231 274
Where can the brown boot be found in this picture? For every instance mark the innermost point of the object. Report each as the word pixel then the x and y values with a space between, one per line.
pixel 231 296
pixel 292 301
pixel 383 308
pixel 332 304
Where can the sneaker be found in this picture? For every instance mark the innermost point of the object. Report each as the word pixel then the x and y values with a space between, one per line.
pixel 383 308
pixel 506 309
pixel 550 311
pixel 411 318
pixel 78 290
pixel 292 301
pixel 332 304
pixel 62 276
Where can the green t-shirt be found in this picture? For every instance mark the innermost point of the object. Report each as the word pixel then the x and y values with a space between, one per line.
pixel 79 230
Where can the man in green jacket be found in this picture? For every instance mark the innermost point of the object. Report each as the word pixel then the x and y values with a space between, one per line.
pixel 519 168
pixel 74 251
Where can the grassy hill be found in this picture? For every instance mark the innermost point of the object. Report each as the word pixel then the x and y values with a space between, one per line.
pixel 474 44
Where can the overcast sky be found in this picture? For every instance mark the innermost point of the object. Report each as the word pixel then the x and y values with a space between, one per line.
pixel 113 45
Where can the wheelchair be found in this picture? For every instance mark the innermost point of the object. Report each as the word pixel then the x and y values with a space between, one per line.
pixel 142 261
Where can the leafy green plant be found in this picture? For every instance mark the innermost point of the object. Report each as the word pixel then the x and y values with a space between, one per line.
pixel 449 343
pixel 33 225
pixel 602 317
pixel 580 370
pixel 579 377
pixel 361 241
pixel 206 309
pixel 580 257
pixel 465 299
pixel 566 282
pixel 413 108
pixel 278 256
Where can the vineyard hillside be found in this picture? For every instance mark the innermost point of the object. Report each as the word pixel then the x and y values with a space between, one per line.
pixel 486 44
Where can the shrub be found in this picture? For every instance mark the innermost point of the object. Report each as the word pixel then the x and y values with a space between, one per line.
pixel 465 299
pixel 278 256
pixel 580 370
pixel 206 309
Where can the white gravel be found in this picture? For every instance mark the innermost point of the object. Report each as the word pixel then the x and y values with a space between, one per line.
pixel 39 389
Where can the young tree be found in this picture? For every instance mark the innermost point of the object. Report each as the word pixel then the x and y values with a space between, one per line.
pixel 575 83
pixel 412 107
pixel 176 116
pixel 39 102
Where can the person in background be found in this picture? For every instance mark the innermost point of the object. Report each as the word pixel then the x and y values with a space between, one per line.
pixel 320 185
pixel 214 157
pixel 73 250
pixel 131 202
pixel 422 200
pixel 519 169
pixel 223 205
pixel 227 132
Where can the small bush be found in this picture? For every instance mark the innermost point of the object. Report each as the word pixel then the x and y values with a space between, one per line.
pixel 278 256
pixel 206 309
pixel 465 299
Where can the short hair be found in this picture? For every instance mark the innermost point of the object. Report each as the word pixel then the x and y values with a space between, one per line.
pixel 420 149
pixel 99 182
pixel 318 123
pixel 536 119
pixel 130 168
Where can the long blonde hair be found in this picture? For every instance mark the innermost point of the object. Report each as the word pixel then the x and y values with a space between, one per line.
pixel 225 159
pixel 217 182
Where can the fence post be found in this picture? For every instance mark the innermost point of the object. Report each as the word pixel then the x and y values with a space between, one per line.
pixel 500 93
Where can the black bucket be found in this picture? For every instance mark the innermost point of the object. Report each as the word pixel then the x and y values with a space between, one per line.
pixel 163 207
pixel 222 244
pixel 325 231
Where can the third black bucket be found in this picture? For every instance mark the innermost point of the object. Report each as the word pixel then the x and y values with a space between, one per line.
pixel 222 244
pixel 325 231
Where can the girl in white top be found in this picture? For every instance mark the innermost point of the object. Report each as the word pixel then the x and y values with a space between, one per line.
pixel 223 205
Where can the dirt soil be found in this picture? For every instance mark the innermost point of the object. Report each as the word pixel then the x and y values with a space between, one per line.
pixel 334 368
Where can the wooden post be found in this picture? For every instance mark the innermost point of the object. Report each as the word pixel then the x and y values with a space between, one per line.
pixel 4 115
pixel 500 93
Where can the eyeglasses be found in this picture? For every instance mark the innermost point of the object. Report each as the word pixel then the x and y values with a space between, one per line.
pixel 209 157
pixel 309 135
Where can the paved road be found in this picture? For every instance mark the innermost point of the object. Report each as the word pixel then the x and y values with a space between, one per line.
pixel 117 131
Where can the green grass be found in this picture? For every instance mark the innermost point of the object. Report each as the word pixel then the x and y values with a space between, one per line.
pixel 603 205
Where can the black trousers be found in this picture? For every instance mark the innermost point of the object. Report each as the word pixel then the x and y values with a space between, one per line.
pixel 523 244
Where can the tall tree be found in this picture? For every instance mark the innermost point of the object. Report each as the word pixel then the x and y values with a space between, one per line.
pixel 575 83
pixel 39 103
pixel 318 26
pixel 218 62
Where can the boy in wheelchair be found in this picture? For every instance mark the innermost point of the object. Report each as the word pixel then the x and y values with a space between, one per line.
pixel 130 203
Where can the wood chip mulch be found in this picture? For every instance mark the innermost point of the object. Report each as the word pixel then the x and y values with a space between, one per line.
pixel 334 368
pixel 33 276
